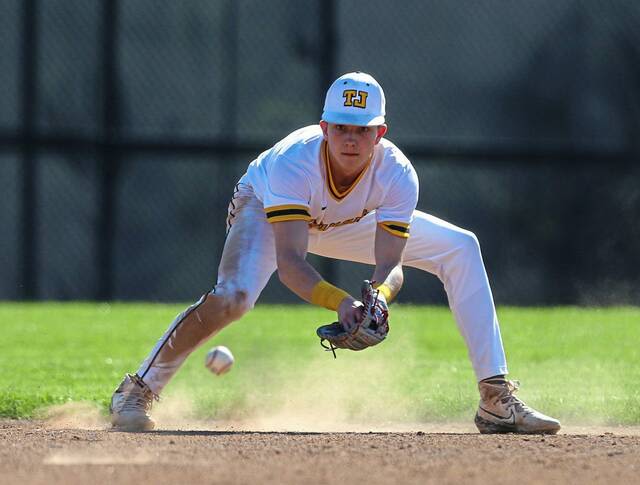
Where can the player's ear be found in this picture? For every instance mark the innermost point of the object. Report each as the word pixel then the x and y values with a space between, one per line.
pixel 382 130
pixel 325 127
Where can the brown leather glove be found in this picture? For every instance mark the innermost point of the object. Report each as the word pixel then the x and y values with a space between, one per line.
pixel 372 330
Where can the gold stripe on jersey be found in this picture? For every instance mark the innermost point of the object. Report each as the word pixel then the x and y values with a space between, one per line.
pixel 290 212
pixel 335 193
pixel 400 229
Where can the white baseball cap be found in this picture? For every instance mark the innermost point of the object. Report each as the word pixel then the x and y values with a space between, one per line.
pixel 355 99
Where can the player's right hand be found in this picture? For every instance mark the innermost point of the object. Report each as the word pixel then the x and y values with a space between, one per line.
pixel 350 313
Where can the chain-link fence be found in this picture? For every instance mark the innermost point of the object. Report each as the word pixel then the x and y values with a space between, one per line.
pixel 124 125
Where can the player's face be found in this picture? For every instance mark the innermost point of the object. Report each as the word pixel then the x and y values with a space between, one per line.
pixel 349 145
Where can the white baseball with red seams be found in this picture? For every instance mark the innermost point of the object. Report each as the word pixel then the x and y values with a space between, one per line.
pixel 219 360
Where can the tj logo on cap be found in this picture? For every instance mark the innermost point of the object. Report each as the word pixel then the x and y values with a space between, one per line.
pixel 355 98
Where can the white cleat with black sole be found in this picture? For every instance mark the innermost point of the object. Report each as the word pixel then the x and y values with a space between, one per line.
pixel 500 411
pixel 131 404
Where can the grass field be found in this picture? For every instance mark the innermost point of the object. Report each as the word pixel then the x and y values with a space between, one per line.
pixel 578 364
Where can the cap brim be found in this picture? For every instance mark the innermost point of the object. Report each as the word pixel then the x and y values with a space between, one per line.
pixel 352 119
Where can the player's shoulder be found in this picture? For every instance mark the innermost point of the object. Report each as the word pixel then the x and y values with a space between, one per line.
pixel 393 156
pixel 299 143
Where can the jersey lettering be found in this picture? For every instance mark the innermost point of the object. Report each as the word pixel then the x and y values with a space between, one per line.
pixel 314 224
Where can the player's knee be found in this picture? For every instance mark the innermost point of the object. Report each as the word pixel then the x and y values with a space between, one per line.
pixel 468 243
pixel 238 303
pixel 227 306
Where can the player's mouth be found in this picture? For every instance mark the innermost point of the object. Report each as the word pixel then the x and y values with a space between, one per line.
pixel 350 154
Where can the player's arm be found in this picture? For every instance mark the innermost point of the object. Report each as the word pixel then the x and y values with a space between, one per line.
pixel 291 242
pixel 392 231
pixel 388 273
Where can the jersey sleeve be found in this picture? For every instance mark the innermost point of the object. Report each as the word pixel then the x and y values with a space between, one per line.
pixel 396 211
pixel 288 192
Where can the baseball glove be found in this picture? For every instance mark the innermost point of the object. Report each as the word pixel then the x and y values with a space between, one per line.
pixel 372 330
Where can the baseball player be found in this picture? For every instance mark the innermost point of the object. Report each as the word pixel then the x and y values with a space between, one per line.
pixel 340 190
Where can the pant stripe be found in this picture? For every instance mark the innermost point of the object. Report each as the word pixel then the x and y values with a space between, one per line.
pixel 167 335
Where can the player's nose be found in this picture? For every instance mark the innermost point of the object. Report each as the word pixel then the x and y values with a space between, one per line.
pixel 350 140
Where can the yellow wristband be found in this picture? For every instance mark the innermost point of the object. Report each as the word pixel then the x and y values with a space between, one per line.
pixel 385 290
pixel 326 295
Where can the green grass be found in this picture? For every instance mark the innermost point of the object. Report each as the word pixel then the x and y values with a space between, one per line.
pixel 579 364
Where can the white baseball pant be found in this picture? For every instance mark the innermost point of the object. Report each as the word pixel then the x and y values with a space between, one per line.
pixel 249 260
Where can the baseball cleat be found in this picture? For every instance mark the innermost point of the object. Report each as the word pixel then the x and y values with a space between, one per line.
pixel 130 405
pixel 500 411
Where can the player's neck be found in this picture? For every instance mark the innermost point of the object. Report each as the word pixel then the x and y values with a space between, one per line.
pixel 345 175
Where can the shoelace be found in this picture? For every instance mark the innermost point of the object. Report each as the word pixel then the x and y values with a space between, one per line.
pixel 134 401
pixel 509 399
pixel 139 397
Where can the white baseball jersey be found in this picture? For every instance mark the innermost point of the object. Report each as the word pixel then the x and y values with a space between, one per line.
pixel 294 182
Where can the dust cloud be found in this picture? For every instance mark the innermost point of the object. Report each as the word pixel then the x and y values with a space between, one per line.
pixel 73 415
pixel 325 395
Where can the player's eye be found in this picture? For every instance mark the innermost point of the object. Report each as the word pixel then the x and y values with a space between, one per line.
pixel 339 127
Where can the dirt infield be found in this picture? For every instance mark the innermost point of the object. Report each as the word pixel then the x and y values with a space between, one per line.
pixel 32 452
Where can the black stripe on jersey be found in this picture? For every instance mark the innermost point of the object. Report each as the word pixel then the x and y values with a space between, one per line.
pixel 288 212
pixel 397 228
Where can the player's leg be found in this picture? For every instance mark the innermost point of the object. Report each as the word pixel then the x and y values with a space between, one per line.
pixel 453 255
pixel 247 262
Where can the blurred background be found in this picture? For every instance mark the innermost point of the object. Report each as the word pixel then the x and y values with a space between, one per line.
pixel 124 125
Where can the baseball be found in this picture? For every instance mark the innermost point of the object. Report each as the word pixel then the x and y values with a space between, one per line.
pixel 219 360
